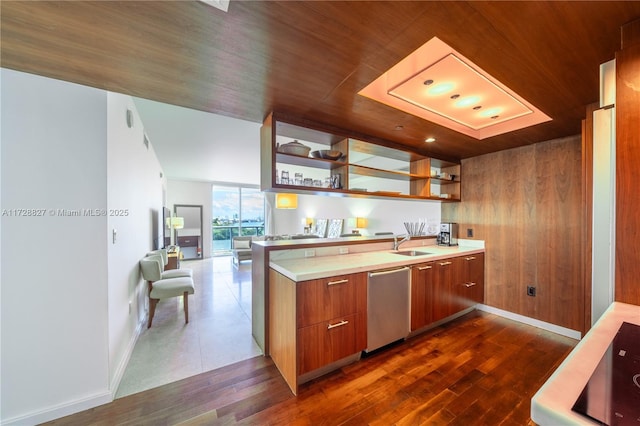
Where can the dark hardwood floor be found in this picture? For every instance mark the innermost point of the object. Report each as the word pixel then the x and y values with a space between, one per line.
pixel 480 369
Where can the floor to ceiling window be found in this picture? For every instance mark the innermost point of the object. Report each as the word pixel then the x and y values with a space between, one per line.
pixel 237 210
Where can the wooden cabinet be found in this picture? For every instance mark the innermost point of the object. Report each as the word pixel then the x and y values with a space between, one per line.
pixel 421 295
pixel 331 320
pixel 365 168
pixel 315 323
pixel 446 273
pixel 445 287
pixel 191 241
pixel 470 288
pixel 173 259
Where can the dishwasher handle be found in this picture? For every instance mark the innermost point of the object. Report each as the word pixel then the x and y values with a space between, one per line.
pixel 387 271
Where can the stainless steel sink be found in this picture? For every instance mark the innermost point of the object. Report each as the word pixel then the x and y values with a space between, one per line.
pixel 411 253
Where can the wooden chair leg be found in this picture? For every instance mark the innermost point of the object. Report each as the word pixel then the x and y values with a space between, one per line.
pixel 152 310
pixel 186 307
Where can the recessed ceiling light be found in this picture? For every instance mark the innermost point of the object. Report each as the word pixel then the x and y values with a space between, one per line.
pixel 399 128
pixel 430 139
pixel 468 101
pixel 440 88
pixel 489 112
pixel 402 87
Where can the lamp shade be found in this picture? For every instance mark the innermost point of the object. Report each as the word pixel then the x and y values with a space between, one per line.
pixel 177 222
pixel 286 201
pixel 361 222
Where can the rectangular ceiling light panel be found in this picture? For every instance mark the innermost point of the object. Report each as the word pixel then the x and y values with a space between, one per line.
pixel 440 85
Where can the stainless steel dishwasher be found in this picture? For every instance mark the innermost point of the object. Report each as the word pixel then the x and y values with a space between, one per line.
pixel 388 307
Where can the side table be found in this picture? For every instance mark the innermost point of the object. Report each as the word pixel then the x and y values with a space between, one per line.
pixel 173 259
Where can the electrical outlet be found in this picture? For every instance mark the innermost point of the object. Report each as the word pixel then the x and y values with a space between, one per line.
pixel 531 291
pixel 470 232
pixel 309 253
pixel 344 250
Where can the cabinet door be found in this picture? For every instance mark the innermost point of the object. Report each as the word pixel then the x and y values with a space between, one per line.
pixel 327 298
pixel 421 294
pixel 473 278
pixel 329 341
pixel 445 302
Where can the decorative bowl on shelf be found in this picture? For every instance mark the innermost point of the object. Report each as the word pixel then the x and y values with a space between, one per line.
pixel 327 154
pixel 295 148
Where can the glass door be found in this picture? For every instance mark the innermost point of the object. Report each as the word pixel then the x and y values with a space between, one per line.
pixel 237 211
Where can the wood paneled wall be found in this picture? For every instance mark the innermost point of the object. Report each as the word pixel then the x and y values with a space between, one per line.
pixel 627 288
pixel 526 204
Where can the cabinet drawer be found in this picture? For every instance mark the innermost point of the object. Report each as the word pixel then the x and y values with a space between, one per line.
pixel 329 341
pixel 327 298
pixel 188 241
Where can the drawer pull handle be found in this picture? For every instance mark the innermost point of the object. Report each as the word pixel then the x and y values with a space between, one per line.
pixel 470 258
pixel 469 284
pixel 422 268
pixel 340 324
pixel 337 282
pixel 445 263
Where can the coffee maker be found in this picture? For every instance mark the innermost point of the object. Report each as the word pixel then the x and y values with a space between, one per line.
pixel 448 235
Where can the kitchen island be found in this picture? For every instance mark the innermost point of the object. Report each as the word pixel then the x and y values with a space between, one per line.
pixel 314 296
pixel 552 404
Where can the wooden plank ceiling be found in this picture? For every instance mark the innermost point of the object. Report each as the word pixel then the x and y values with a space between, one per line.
pixel 310 58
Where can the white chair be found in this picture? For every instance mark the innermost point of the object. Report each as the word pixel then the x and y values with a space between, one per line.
pixel 160 288
pixel 241 249
pixel 171 273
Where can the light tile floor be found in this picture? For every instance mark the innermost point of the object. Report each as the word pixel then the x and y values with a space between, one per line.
pixel 218 333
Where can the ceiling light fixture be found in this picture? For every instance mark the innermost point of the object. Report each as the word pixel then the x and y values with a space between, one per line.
pixel 468 101
pixel 430 139
pixel 402 87
pixel 440 88
pixel 491 112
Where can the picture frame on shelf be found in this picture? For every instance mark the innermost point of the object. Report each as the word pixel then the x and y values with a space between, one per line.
pixel 321 227
pixel 335 228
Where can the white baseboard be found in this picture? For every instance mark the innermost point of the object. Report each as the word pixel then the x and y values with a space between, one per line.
pixel 117 377
pixel 574 334
pixel 77 406
pixel 59 411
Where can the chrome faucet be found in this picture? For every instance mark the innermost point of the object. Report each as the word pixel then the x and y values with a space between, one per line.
pixel 397 243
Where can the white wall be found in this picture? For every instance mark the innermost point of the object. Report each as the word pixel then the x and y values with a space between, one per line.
pixel 383 215
pixel 67 332
pixel 193 193
pixel 134 198
pixel 54 343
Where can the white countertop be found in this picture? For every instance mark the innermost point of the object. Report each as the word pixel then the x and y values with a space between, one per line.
pixel 551 405
pixel 311 268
